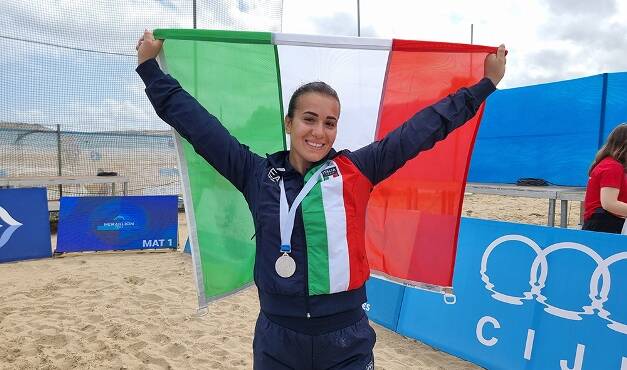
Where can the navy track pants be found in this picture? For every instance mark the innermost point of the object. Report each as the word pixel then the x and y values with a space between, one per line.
pixel 277 348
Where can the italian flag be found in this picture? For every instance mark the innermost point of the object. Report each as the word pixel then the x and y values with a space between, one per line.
pixel 246 79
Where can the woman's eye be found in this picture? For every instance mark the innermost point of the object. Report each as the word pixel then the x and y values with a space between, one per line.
pixel 309 119
pixel 330 124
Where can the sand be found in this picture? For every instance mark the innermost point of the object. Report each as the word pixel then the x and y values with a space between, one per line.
pixel 137 310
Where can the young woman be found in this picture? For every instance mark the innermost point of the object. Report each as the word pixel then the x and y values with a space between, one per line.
pixel 311 286
pixel 606 195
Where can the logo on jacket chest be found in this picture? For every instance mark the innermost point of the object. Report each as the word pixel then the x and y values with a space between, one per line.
pixel 275 174
pixel 329 173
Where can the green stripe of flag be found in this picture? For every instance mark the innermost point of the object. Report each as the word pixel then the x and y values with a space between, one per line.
pixel 316 236
pixel 238 83
pixel 244 37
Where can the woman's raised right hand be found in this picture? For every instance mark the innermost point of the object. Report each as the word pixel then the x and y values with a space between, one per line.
pixel 147 47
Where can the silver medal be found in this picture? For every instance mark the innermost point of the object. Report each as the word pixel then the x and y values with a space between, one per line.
pixel 285 266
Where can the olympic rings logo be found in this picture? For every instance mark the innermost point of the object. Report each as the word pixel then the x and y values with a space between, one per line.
pixel 538 274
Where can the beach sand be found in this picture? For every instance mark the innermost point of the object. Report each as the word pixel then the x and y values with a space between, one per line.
pixel 137 310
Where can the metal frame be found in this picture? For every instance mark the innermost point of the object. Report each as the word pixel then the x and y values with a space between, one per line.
pixel 552 193
pixel 23 181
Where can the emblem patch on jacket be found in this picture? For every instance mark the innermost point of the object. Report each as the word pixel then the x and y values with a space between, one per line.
pixel 274 174
pixel 329 173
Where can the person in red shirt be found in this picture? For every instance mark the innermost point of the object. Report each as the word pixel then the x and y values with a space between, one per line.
pixel 606 196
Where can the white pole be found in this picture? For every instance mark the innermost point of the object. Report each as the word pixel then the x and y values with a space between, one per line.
pixel 358 21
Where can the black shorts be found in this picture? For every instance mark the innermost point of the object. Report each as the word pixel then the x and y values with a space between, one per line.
pixel 602 220
pixel 276 347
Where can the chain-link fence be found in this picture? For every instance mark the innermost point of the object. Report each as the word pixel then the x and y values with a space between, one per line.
pixel 71 103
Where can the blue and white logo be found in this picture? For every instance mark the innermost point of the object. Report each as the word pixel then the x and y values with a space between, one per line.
pixel 24 224
pixel 600 280
pixel 119 223
pixel 7 227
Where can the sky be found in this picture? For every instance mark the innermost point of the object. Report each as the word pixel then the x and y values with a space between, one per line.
pixel 91 80
pixel 548 40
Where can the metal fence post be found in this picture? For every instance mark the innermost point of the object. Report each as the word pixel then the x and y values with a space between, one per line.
pixel 59 160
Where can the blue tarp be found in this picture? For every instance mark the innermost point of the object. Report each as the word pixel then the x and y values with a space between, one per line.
pixel 550 131
pixel 616 102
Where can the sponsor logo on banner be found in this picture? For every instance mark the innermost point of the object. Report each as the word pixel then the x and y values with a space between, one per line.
pixel 8 226
pixel 600 284
pixel 24 224
pixel 119 223
pixel 600 280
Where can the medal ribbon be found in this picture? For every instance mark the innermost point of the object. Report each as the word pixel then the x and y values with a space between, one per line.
pixel 287 214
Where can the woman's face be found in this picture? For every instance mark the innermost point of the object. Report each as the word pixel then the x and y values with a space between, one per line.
pixel 312 129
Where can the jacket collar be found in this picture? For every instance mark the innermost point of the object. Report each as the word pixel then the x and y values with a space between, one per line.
pixel 281 160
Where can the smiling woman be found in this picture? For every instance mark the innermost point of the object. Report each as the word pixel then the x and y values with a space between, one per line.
pixel 308 203
pixel 311 122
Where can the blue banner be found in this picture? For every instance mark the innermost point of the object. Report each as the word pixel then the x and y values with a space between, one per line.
pixel 24 224
pixel 117 223
pixel 527 297
pixel 384 301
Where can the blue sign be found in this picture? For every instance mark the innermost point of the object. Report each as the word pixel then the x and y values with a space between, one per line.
pixel 117 223
pixel 384 301
pixel 528 297
pixel 24 224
